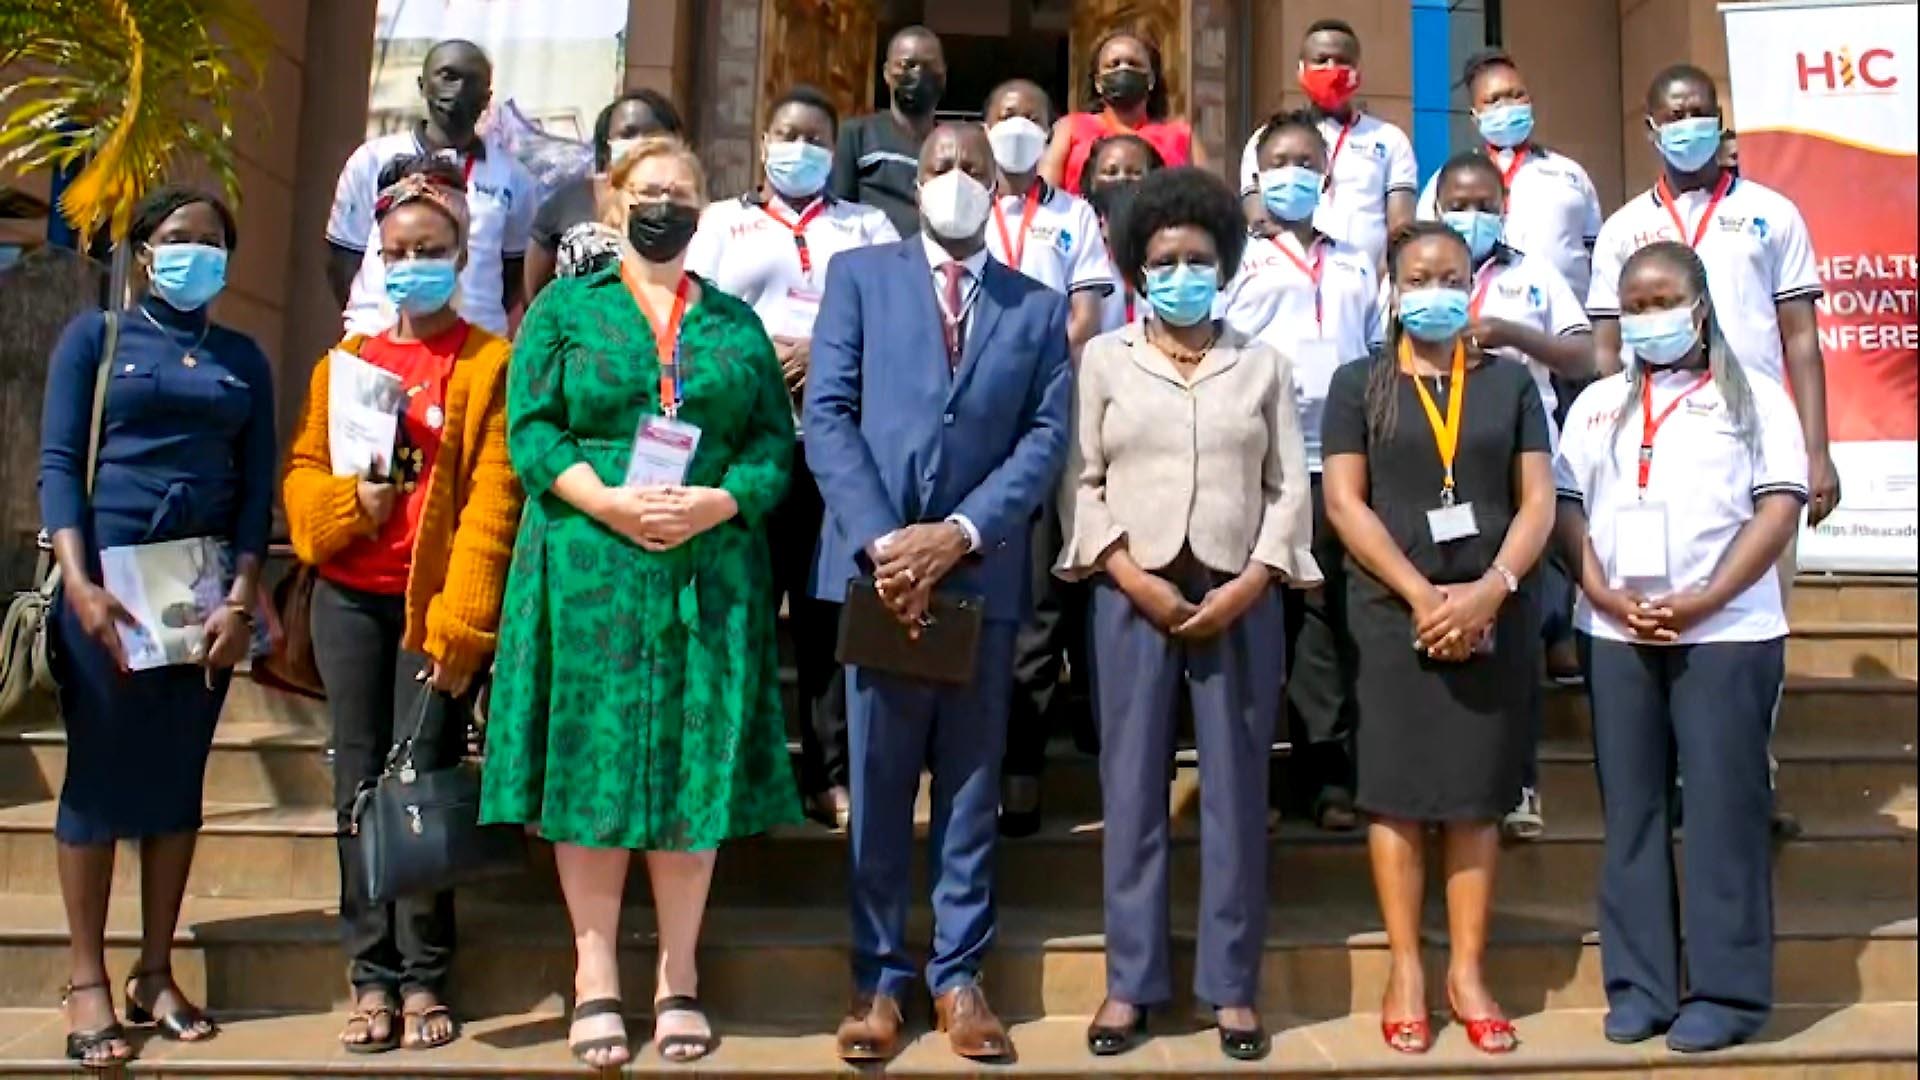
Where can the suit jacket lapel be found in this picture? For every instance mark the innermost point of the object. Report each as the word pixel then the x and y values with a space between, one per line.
pixel 924 311
pixel 987 310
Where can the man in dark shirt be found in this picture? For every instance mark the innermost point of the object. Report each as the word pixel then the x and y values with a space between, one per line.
pixel 878 159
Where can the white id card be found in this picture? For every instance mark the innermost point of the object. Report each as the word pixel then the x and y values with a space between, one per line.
pixel 795 317
pixel 1314 360
pixel 662 450
pixel 1640 542
pixel 1450 523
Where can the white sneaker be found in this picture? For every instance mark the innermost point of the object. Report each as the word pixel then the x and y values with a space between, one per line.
pixel 1525 821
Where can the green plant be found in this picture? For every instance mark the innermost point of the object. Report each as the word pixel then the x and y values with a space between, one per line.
pixel 127 87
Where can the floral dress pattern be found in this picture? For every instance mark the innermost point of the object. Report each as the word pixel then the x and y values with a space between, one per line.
pixel 636 697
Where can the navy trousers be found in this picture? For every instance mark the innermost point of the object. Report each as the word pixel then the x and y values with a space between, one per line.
pixel 1713 705
pixel 1234 683
pixel 895 728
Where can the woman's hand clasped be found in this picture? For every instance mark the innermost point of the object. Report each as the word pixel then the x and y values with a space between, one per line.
pixel 663 518
pixel 1223 606
pixel 1453 617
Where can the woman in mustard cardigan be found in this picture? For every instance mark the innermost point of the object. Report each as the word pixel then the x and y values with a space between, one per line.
pixel 412 559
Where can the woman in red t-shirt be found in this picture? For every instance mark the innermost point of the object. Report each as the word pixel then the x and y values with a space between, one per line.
pixel 1131 90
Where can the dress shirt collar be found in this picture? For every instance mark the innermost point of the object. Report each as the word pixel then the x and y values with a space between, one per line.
pixel 975 263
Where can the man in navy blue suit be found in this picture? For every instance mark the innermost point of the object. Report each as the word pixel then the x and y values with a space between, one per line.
pixel 937 413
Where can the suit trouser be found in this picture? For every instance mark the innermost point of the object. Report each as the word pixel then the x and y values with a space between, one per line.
pixel 1322 661
pixel 1056 628
pixel 1234 684
pixel 793 535
pixel 1712 704
pixel 895 727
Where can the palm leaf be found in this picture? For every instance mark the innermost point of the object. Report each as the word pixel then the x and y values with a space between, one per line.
pixel 132 87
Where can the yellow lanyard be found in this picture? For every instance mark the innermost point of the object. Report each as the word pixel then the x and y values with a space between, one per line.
pixel 1446 433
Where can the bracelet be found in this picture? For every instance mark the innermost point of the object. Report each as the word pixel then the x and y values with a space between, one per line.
pixel 240 611
pixel 1506 577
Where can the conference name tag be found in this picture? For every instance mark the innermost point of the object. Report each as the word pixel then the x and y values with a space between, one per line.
pixel 1450 523
pixel 1640 542
pixel 1314 361
pixel 662 450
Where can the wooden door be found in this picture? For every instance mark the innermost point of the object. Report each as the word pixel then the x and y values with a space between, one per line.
pixel 828 44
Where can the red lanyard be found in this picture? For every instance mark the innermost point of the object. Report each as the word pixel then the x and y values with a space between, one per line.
pixel 1129 307
pixel 1015 255
pixel 1650 424
pixel 666 339
pixel 1513 167
pixel 1486 282
pixel 1699 230
pixel 466 172
pixel 799 230
pixel 1339 145
pixel 1312 270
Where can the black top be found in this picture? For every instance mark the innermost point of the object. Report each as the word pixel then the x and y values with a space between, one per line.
pixel 878 164
pixel 1404 475
pixel 571 204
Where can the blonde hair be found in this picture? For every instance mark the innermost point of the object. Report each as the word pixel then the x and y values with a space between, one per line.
pixel 613 207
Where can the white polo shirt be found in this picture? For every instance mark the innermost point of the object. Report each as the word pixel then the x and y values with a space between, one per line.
pixel 502 198
pixel 1062 249
pixel 1273 299
pixel 1756 250
pixel 1375 160
pixel 1704 477
pixel 746 252
pixel 1553 212
pixel 1526 289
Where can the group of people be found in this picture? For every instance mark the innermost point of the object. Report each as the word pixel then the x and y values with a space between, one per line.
pixel 1301 443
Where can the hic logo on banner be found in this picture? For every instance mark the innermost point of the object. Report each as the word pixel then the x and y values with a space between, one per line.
pixel 1840 72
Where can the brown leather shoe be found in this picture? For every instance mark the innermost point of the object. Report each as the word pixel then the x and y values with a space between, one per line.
pixel 871 1029
pixel 976 1034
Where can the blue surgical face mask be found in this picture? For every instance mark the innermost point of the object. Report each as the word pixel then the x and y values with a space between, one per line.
pixel 421 286
pixel 798 169
pixel 1506 126
pixel 1660 338
pixel 1291 193
pixel 1480 229
pixel 1689 144
pixel 1182 295
pixel 187 276
pixel 1436 314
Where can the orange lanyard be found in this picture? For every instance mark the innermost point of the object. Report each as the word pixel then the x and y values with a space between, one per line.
pixel 1016 255
pixel 1312 270
pixel 1650 424
pixel 1112 123
pixel 1700 229
pixel 1480 291
pixel 666 339
pixel 1446 432
pixel 1513 167
pixel 799 230
pixel 1339 145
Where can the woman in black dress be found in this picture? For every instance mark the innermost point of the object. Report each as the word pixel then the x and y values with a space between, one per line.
pixel 1439 484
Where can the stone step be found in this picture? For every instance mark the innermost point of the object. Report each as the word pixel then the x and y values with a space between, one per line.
pixel 790 964
pixel 269 751
pixel 271 853
pixel 1829 598
pixel 1853 650
pixel 1849 1042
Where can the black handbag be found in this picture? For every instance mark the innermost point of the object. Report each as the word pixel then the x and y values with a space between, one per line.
pixel 419 831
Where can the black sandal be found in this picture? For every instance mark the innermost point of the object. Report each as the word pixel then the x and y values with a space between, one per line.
pixel 428 1013
pixel 364 1015
pixel 178 1026
pixel 586 1010
pixel 85 1046
pixel 701 1044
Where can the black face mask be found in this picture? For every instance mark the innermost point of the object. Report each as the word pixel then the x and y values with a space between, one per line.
pixel 1125 87
pixel 661 231
pixel 918 92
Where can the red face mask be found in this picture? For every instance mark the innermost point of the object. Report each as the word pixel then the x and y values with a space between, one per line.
pixel 1330 88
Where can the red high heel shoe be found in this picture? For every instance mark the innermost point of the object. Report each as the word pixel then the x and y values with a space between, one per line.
pixel 1489 1034
pixel 1407 1036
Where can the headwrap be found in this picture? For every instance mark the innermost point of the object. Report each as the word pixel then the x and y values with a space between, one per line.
pixel 417 187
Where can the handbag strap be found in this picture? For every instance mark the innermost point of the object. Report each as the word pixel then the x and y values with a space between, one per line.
pixel 401 756
pixel 100 379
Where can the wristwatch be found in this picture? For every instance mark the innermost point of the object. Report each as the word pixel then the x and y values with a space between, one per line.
pixel 1506 577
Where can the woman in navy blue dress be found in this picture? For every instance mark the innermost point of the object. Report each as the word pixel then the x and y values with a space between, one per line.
pixel 187 449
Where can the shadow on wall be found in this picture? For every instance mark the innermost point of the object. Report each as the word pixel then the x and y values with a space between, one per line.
pixel 39 295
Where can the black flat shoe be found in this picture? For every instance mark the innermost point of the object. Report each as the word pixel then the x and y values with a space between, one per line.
pixel 1105 1041
pixel 1251 1044
pixel 189 1024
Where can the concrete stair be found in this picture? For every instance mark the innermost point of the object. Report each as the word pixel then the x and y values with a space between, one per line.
pixel 258 942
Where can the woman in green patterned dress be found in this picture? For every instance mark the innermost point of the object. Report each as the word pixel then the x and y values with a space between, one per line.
pixel 636 701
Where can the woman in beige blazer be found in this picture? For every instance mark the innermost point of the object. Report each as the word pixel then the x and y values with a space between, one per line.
pixel 1187 503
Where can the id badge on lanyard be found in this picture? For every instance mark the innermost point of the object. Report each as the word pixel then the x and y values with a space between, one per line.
pixel 663 446
pixel 1640 529
pixel 1452 520
pixel 1314 358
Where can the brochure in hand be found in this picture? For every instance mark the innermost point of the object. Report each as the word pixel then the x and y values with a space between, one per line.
pixel 364 403
pixel 171 589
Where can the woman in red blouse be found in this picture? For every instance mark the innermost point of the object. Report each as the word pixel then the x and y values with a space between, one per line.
pixel 1130 89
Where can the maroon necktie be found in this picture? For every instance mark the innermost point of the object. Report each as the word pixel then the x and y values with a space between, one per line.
pixel 952 315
